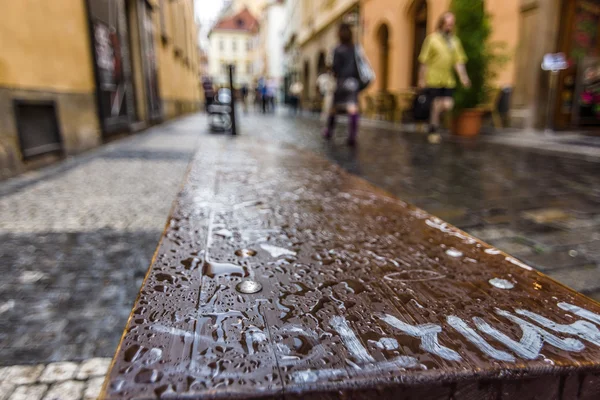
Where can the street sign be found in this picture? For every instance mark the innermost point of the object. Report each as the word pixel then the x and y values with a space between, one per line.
pixel 554 62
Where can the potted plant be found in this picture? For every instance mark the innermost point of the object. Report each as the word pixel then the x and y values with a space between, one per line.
pixel 473 28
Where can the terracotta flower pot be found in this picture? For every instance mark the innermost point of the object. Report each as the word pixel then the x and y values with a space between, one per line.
pixel 468 123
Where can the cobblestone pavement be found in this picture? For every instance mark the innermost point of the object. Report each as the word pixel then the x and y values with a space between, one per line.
pixel 76 238
pixel 55 381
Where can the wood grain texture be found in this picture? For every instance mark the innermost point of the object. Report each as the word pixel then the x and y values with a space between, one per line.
pixel 363 297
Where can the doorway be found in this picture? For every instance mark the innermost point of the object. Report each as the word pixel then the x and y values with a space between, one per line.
pixel 321 64
pixel 578 93
pixel 383 40
pixel 420 33
pixel 306 80
pixel 110 38
pixel 147 35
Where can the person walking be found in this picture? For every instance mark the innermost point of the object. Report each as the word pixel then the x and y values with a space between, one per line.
pixel 244 94
pixel 296 90
pixel 262 88
pixel 209 93
pixel 326 86
pixel 345 71
pixel 442 52
pixel 272 89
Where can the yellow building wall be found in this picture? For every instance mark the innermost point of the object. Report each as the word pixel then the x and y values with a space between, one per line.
pixel 318 34
pixel 45 45
pixel 398 15
pixel 318 15
pixel 178 75
pixel 507 29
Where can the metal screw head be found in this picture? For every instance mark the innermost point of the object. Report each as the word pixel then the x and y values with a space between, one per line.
pixel 249 287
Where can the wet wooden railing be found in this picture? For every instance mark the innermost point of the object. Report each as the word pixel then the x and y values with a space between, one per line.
pixel 280 276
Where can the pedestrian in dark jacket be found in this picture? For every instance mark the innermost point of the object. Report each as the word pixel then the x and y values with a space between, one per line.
pixel 345 70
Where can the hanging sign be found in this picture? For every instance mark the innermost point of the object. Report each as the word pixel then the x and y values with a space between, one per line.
pixel 554 62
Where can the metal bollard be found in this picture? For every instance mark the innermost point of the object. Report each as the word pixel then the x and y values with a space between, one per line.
pixel 233 122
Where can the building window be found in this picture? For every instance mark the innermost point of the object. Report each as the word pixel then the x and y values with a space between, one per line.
pixel 249 45
pixel 234 45
pixel 249 67
pixel 221 44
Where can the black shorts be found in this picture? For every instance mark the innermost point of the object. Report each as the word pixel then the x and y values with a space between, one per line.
pixel 441 92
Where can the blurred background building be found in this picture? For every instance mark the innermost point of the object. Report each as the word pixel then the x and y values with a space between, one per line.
pixel 549 26
pixel 315 36
pixel 269 54
pixel 74 72
pixel 232 7
pixel 392 33
pixel 232 41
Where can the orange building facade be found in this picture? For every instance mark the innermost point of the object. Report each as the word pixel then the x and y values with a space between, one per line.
pixel 393 32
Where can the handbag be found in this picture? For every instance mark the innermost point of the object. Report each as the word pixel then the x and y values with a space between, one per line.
pixel 366 74
pixel 422 106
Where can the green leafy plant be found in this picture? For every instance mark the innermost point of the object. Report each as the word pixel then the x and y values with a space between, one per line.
pixel 485 58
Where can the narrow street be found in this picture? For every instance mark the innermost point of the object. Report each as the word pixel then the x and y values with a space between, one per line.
pixel 77 237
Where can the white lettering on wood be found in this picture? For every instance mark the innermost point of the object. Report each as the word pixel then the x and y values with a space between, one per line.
pixel 428 333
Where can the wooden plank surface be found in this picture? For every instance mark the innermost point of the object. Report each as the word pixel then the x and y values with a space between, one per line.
pixel 363 296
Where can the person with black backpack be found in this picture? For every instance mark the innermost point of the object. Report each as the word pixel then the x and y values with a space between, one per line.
pixel 352 74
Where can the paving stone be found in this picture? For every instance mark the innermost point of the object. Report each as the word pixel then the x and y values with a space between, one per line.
pixel 492 233
pixel 68 390
pixel 583 279
pixel 513 247
pixel 594 295
pixel 33 392
pixel 556 260
pixel 566 239
pixel 6 389
pixel 21 374
pixel 498 219
pixel 546 215
pixel 92 389
pixel 60 371
pixel 578 223
pixel 591 249
pixel 7 306
pixel 93 367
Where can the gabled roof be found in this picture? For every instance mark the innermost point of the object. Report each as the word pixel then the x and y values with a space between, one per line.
pixel 243 21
